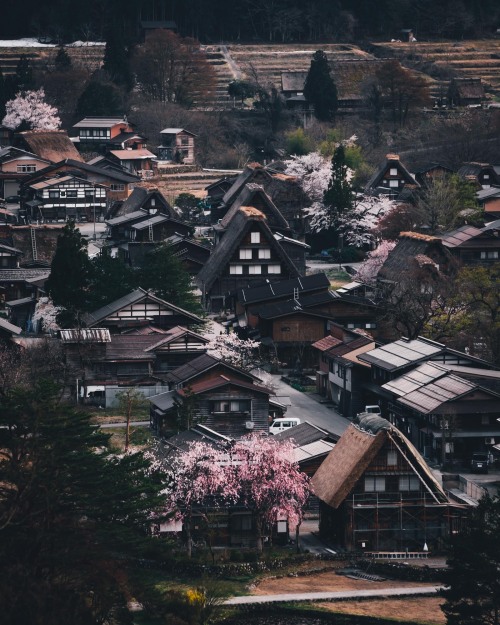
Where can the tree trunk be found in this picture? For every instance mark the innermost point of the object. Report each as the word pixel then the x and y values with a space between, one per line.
pixel 127 429
pixel 258 525
pixel 189 539
pixel 297 533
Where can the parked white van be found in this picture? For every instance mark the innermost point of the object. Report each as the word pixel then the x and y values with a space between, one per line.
pixel 373 409
pixel 282 424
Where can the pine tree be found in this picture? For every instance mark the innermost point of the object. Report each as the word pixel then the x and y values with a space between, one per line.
pixel 73 518
pixel 62 62
pixel 320 89
pixel 338 198
pixel 70 276
pixel 24 74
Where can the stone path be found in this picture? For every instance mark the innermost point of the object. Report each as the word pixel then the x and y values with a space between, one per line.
pixel 335 596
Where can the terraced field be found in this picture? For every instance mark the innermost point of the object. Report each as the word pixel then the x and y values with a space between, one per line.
pixel 88 57
pixel 464 59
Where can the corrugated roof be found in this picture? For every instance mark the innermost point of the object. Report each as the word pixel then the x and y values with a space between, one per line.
pixel 85 335
pixel 277 290
pixel 305 433
pixel 6 326
pixel 133 155
pixel 199 365
pixel 402 353
pixel 99 122
pixel 455 238
pixel 312 450
pixel 153 221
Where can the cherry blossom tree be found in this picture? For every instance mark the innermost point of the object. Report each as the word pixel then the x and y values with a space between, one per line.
pixel 198 479
pixel 369 269
pixel 359 226
pixel 242 353
pixel 269 482
pixel 46 312
pixel 29 109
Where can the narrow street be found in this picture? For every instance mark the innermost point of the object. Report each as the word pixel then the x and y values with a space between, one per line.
pixel 306 408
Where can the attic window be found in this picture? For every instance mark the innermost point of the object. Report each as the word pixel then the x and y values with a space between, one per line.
pixel 235 269
pixel 392 458
pixel 393 171
pixel 255 237
pixel 394 183
pixel 374 484
pixel 409 482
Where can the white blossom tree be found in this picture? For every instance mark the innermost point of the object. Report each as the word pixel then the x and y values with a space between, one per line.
pixel 359 226
pixel 238 352
pixel 30 109
pixel 369 269
pixel 46 313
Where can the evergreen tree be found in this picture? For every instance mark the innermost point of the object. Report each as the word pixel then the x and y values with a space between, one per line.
pixel 117 58
pixel 110 279
pixel 320 89
pixel 62 62
pixel 72 519
pixel 100 98
pixel 163 273
pixel 338 198
pixel 70 276
pixel 473 575
pixel 24 74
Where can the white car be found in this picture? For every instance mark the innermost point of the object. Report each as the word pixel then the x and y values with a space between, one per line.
pixel 282 424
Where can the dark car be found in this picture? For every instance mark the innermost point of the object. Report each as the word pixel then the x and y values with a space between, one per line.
pixel 479 462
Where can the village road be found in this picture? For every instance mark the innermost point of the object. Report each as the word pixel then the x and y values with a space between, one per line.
pixel 331 596
pixel 307 408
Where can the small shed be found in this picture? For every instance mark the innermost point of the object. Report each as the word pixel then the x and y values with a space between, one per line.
pixel 465 92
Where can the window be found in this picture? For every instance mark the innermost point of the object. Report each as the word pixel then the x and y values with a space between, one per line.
pixel 53 194
pixel 340 371
pixel 117 187
pixel 231 406
pixel 489 255
pixel 486 176
pixel 394 183
pixel 71 193
pixel 255 237
pixel 393 171
pixel 274 269
pixel 409 482
pixel 255 269
pixel 245 254
pixel 264 253
pixel 235 269
pixel 392 458
pixel 374 484
pixel 26 169
pixel 62 192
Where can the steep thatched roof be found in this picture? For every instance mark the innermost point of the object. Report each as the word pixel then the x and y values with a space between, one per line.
pixel 391 162
pixel 53 145
pixel 241 223
pixel 414 251
pixel 254 195
pixel 353 454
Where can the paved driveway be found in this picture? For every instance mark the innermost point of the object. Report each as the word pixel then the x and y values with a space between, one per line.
pixel 306 408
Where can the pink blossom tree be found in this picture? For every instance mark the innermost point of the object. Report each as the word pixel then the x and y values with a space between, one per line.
pixel 29 109
pixel 198 479
pixel 269 482
pixel 368 271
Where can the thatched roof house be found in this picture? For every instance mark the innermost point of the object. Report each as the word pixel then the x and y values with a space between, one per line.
pixel 377 492
pixel 465 92
pixel 53 145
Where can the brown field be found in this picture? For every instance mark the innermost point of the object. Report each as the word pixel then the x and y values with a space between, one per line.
pixel 422 610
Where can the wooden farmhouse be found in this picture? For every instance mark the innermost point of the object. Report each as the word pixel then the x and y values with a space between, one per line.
pixel 15 166
pixel 391 178
pixel 448 416
pixel 466 92
pixel 113 361
pixel 67 197
pixel 474 246
pixel 341 376
pixel 483 175
pixel 140 162
pixel 138 309
pixel 223 397
pixel 377 494
pixel 22 282
pixel 118 183
pixel 177 146
pixel 432 171
pixel 247 254
pixel 99 134
pixel 489 200
pixel 283 190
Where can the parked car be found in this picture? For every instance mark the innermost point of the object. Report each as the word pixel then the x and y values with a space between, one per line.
pixel 373 409
pixel 282 424
pixel 479 462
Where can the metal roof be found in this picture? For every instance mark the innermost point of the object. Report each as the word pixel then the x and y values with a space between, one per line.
pixel 116 221
pixel 153 221
pixel 99 122
pixel 133 155
pixel 9 327
pixel 401 353
pixel 312 450
pixel 85 335
pixel 457 237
